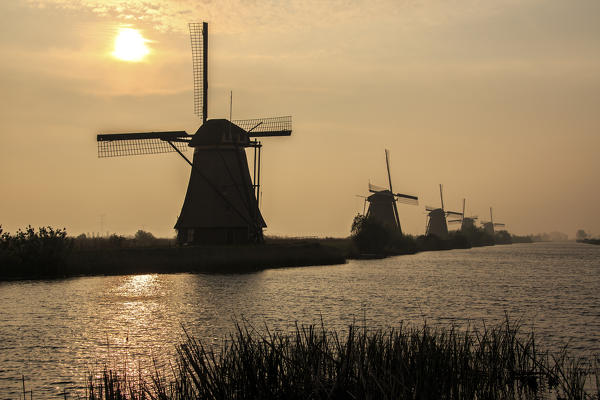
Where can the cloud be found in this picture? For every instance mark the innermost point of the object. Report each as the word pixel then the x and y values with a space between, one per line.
pixel 235 16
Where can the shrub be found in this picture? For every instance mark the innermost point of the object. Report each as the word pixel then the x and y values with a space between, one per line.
pixel 29 252
pixel 144 238
pixel 502 237
pixel 369 235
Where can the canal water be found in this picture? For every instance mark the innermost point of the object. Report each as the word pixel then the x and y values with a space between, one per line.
pixel 55 333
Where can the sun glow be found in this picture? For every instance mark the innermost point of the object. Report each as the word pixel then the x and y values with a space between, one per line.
pixel 130 45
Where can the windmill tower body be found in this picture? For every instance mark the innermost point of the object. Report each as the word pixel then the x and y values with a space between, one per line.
pixel 220 204
pixel 488 227
pixel 468 224
pixel 436 224
pixel 381 208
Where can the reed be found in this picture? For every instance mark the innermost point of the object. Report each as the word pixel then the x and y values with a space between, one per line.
pixel 403 363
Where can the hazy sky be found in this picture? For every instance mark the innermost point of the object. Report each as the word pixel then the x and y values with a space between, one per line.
pixel 498 100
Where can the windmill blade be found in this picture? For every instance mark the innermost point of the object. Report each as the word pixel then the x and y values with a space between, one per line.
pixel 499 224
pixel 387 164
pixel 130 144
pixel 376 189
pixel 199 42
pixel 407 199
pixel 454 213
pixel 361 196
pixel 429 208
pixel 265 127
pixel 455 221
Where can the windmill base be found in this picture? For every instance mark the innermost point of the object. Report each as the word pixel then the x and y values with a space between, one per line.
pixel 237 235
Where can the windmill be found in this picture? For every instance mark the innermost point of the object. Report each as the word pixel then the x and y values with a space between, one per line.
pixel 436 218
pixel 490 226
pixel 466 223
pixel 222 200
pixel 382 203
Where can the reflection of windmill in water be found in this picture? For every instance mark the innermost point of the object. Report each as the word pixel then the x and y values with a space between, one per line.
pixel 467 224
pixel 222 200
pixel 436 219
pixel 382 203
pixel 490 226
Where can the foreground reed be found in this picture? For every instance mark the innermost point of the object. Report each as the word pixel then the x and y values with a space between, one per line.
pixel 403 363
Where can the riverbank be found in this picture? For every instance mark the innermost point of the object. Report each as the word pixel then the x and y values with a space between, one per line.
pixel 49 253
pixel 176 259
pixel 589 241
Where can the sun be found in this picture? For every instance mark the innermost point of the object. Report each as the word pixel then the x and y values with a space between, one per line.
pixel 130 45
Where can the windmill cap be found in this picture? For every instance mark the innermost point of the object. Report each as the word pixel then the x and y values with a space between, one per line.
pixel 383 195
pixel 219 131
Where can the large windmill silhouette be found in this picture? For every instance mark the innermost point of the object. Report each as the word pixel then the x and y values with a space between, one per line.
pixel 382 203
pixel 222 200
pixel 436 218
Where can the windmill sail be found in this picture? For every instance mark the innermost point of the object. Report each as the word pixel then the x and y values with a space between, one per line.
pixel 129 144
pixel 199 42
pixel 376 189
pixel 407 199
pixel 265 127
pixel 456 213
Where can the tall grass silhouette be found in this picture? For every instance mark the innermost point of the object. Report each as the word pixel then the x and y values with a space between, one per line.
pixel 314 362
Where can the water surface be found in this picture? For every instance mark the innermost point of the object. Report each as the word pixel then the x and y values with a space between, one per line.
pixel 54 332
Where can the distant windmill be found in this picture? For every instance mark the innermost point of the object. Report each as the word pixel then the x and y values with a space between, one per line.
pixel 466 223
pixel 436 218
pixel 490 226
pixel 382 203
pixel 222 200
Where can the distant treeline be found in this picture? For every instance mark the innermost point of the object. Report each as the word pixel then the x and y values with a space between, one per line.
pixel 371 237
pixel 550 237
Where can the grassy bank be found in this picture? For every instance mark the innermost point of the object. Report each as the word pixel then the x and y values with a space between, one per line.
pixel 403 363
pixel 371 238
pixel 207 259
pixel 49 253
pixel 589 241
